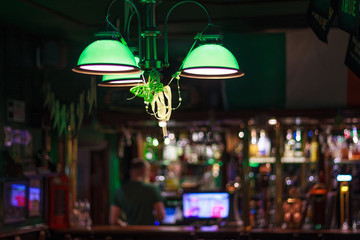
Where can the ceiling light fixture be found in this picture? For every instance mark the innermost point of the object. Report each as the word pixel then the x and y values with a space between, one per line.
pixel 211 61
pixel 110 55
pixel 107 55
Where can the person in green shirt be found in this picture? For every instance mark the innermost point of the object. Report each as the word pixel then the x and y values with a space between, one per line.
pixel 140 201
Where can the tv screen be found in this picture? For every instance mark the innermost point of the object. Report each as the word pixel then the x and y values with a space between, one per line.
pixel 15 197
pixel 18 195
pixel 206 205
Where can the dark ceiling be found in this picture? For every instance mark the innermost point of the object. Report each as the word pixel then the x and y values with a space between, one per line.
pixel 78 19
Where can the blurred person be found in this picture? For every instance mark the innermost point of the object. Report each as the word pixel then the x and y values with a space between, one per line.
pixel 141 202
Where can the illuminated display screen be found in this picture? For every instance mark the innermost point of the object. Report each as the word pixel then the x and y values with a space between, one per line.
pixel 206 205
pixel 34 201
pixel 18 195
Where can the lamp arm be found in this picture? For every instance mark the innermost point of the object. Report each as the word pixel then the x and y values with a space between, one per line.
pixel 128 26
pixel 166 61
pixel 139 26
pixel 109 6
pixel 138 17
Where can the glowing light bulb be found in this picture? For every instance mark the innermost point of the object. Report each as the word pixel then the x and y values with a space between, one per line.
pixel 171 136
pixel 162 123
pixel 241 134
pixel 272 121
pixel 155 142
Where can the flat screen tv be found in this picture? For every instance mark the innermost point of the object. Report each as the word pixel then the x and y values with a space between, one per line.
pixel 15 201
pixel 205 205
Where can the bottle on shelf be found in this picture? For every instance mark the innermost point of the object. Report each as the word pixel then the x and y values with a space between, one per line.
pixel 170 151
pixel 172 180
pixel 334 142
pixel 151 149
pixel 345 145
pixel 298 148
pixel 314 147
pixel 264 146
pixel 289 144
pixel 344 149
pixel 354 152
pixel 253 148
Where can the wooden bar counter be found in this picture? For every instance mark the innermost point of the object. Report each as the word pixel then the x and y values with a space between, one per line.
pixel 37 231
pixel 193 233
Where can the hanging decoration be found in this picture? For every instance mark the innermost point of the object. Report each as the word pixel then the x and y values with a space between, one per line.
pixel 69 117
pixel 161 107
pixel 158 97
pixel 161 104
pixel 148 90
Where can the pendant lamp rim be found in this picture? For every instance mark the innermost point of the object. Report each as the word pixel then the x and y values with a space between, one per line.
pixel 236 74
pixel 79 69
pixel 110 84
pixel 129 80
pixel 118 85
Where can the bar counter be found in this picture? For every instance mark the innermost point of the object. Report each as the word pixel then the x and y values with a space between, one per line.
pixel 37 231
pixel 193 233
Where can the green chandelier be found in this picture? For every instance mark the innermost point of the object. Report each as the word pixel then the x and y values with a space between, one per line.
pixel 110 56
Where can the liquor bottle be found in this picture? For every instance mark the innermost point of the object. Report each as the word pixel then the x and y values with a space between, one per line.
pixel 298 144
pixel 264 145
pixel 149 153
pixel 314 147
pixel 289 144
pixel 345 146
pixel 253 148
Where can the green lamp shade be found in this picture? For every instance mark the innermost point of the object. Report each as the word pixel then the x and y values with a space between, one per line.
pixel 129 80
pixel 107 57
pixel 211 61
